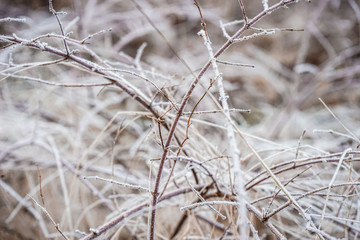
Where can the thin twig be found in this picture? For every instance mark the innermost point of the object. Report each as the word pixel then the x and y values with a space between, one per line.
pixel 332 182
pixel 337 119
pixel 129 213
pixel 243 13
pixel 56 14
pixel 235 64
pixel 51 219
pixel 126 185
pixel 187 97
pixel 40 187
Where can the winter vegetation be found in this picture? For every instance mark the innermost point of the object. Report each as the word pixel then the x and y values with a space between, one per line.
pixel 203 119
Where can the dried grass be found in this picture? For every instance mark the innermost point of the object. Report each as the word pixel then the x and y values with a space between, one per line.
pixel 117 122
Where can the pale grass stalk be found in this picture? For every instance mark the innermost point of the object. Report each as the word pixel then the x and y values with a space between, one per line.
pixel 291 166
pixel 335 133
pixel 310 225
pixel 332 182
pixel 72 85
pixel 254 231
pixel 57 226
pixel 27 205
pixel 76 173
pixel 90 112
pixel 278 191
pixel 321 234
pixel 226 230
pixel 96 140
pixel 133 211
pixel 139 142
pixel 283 206
pixel 323 41
pixel 142 76
pixel 259 216
pixel 24 67
pixel 25 199
pixel 189 93
pixel 87 209
pixel 137 59
pixel 234 150
pixel 339 121
pixel 203 199
pixel 200 164
pixel 63 183
pixel 352 225
pixel 338 219
pixel 305 43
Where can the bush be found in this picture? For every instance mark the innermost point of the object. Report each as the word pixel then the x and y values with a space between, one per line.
pixel 174 120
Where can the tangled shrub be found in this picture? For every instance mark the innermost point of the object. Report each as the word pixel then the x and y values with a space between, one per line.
pixel 180 120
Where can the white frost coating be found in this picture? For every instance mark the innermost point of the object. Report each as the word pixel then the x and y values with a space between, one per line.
pixel 306 68
pixel 265 4
pixel 332 182
pixel 235 151
pixel 254 35
pixel 222 26
pixel 41 45
pixel 10 19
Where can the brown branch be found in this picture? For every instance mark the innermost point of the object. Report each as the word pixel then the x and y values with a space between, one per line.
pixel 40 192
pixel 85 63
pixel 203 24
pixel 56 14
pixel 185 100
pixel 243 12
pixel 288 203
pixel 133 211
pixel 322 161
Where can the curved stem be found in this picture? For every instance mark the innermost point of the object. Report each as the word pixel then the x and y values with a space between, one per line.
pixel 185 100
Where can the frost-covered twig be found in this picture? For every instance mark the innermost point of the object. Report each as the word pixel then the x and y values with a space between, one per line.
pixel 10 19
pixel 235 151
pixel 57 226
pixel 126 185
